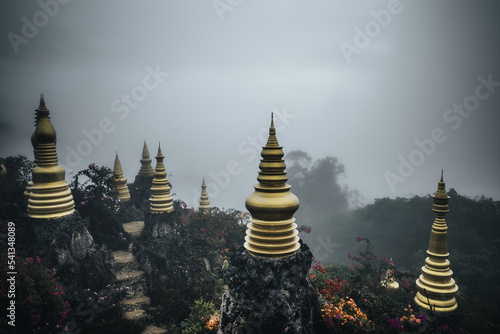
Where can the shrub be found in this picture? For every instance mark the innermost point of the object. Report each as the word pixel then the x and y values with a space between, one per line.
pixel 201 315
pixel 94 199
pixel 12 186
pixel 41 302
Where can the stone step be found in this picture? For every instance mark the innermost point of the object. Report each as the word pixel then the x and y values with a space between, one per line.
pixel 134 229
pixel 130 275
pixel 129 266
pixel 123 256
pixel 137 299
pixel 154 330
pixel 135 314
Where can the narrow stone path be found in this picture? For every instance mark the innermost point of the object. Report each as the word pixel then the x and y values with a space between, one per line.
pixel 130 275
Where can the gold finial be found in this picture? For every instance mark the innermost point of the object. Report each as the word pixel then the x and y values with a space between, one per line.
pixel 120 182
pixel 42 108
pixel 436 287
pixel 49 196
pixel 272 231
pixel 159 152
pixel 160 200
pixel 204 200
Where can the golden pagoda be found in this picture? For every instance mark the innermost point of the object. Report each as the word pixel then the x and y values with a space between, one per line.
pixel 146 170
pixel 120 182
pixel 436 288
pixel 50 196
pixel 160 200
pixel 204 201
pixel 272 231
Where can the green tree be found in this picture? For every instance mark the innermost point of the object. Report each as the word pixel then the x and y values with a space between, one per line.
pixel 317 186
pixel 95 200
pixel 12 185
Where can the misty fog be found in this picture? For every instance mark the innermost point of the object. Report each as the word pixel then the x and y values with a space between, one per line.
pixel 395 90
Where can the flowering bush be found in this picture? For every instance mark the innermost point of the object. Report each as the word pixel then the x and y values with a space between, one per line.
pixel 102 311
pixel 334 288
pixel 221 229
pixel 305 229
pixel 95 194
pixel 369 298
pixel 106 298
pixel 337 310
pixel 345 313
pixel 213 322
pixel 408 322
pixel 200 319
pixel 318 274
pixel 41 302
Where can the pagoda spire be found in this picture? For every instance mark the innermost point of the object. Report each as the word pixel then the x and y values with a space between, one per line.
pixel 41 108
pixel 146 170
pixel 160 200
pixel 49 196
pixel 120 182
pixel 436 288
pixel 272 231
pixel 204 201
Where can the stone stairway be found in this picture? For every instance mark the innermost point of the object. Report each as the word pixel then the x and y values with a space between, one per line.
pixel 130 275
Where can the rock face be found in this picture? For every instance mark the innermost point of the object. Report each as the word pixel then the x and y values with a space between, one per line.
pixel 173 262
pixel 66 245
pixel 269 295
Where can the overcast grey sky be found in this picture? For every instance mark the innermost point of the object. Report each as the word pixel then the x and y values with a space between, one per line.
pixel 373 83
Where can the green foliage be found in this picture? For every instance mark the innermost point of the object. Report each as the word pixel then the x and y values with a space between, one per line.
pixel 189 237
pixel 201 311
pixel 221 230
pixel 101 311
pixel 478 278
pixel 140 192
pixel 18 171
pixel 399 228
pixel 393 310
pixel 324 201
pixel 317 186
pixel 41 303
pixel 94 199
pixel 370 284
pixel 358 295
pixel 12 186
